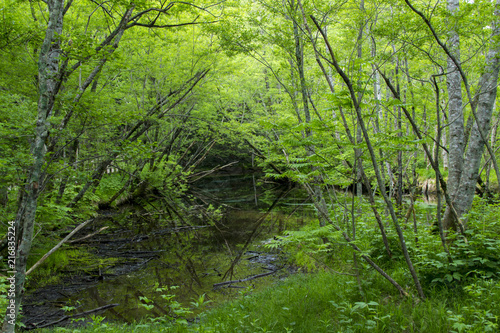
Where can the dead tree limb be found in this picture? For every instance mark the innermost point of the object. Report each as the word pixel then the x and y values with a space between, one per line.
pixel 218 285
pixel 105 307
pixel 54 249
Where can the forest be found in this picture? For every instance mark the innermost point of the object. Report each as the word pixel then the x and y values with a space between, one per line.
pixel 361 134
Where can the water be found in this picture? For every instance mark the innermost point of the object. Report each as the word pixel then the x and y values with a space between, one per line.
pixel 147 257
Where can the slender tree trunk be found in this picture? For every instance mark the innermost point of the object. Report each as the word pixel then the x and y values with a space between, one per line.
pixel 493 139
pixel 374 162
pixel 366 181
pixel 436 159
pixel 379 115
pixel 455 116
pixel 358 152
pixel 48 73
pixel 299 58
pixel 399 197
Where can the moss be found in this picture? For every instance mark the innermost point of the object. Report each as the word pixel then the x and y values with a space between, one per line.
pixel 66 259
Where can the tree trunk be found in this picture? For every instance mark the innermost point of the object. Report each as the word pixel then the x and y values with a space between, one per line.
pixel 478 139
pixel 366 137
pixel 48 74
pixel 493 139
pixel 299 57
pixel 455 116
pixel 487 95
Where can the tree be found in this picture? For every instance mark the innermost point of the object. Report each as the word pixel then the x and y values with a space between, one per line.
pixel 464 177
pixel 49 84
pixel 68 68
pixel 455 113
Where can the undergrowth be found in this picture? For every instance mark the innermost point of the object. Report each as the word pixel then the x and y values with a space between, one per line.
pixel 326 302
pixel 462 289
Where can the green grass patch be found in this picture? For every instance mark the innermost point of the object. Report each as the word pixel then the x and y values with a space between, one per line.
pixel 327 302
pixel 462 289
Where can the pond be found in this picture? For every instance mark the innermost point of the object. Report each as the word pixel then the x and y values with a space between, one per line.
pixel 149 259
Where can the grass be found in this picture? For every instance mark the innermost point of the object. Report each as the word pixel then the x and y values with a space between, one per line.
pixel 462 291
pixel 328 302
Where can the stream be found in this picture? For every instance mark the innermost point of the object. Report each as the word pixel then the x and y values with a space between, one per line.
pixel 144 260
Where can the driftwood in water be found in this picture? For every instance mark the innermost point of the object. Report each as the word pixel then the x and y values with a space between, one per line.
pixel 199 175
pixel 54 249
pixel 105 307
pixel 142 237
pixel 217 285
pixel 88 236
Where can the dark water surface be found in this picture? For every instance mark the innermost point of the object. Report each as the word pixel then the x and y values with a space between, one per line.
pixel 145 257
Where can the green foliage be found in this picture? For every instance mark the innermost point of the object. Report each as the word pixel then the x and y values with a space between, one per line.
pixel 325 302
pixel 176 310
pixel 109 185
pixel 51 215
pixel 4 287
pixel 16 126
pixel 475 256
pixel 307 247
pixel 480 315
pixel 379 254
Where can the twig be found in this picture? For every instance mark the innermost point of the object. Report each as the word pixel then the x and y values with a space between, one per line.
pixel 216 285
pixel 88 236
pixel 73 316
pixel 203 174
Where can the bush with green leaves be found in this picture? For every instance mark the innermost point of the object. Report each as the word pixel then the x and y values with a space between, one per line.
pixel 481 313
pixel 471 257
pixel 379 253
pixel 4 287
pixel 475 257
pixel 311 247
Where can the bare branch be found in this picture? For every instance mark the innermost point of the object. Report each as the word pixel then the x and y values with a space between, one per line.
pixel 54 249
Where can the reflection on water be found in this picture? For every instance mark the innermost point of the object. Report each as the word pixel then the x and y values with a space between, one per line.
pixel 146 252
pixel 153 253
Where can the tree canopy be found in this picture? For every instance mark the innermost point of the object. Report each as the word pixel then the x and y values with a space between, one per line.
pixel 103 101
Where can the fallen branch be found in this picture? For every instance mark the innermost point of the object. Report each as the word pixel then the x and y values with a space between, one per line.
pixel 216 285
pixel 105 307
pixel 203 174
pixel 54 249
pixel 88 236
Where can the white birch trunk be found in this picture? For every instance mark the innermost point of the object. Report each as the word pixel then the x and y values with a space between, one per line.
pixel 455 114
pixel 487 95
pixel 455 161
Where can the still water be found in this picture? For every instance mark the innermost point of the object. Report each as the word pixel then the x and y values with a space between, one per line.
pixel 145 257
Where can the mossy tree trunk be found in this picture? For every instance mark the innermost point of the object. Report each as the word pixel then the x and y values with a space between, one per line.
pixel 48 86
